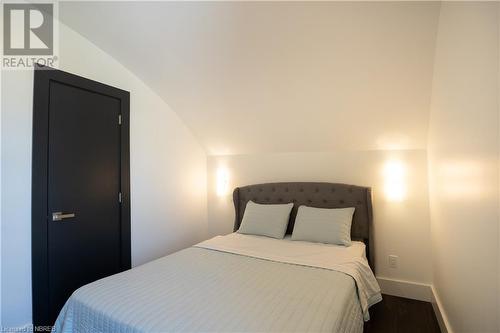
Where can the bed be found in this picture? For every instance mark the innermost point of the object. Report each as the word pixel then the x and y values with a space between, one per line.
pixel 244 283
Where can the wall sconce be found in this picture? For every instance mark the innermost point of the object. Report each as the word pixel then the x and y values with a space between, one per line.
pixel 222 185
pixel 395 180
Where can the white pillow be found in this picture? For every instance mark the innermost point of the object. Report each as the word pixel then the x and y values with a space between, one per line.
pixel 323 225
pixel 265 220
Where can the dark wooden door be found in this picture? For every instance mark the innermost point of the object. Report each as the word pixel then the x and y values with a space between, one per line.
pixel 87 231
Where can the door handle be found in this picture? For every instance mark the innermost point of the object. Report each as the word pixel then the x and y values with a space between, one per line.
pixel 58 216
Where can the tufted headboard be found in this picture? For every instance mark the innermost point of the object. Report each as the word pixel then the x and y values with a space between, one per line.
pixel 322 195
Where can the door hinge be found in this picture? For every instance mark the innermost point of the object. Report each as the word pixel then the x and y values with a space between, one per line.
pixel 119 119
pixel 120 197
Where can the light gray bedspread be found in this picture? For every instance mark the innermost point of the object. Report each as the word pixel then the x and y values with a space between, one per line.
pixel 203 290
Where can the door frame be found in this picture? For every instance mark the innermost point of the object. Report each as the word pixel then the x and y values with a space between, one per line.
pixel 39 201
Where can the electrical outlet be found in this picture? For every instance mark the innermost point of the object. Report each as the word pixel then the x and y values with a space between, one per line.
pixel 393 261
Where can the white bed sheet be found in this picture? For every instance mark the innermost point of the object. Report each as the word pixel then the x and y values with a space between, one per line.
pixel 350 260
pixel 231 283
pixel 357 249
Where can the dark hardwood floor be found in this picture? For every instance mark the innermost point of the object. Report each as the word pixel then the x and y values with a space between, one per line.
pixel 396 314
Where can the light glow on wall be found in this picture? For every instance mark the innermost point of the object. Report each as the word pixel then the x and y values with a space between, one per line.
pixel 222 181
pixel 393 141
pixel 464 180
pixel 395 180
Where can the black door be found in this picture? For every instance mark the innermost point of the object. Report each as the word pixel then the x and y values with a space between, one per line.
pixel 81 221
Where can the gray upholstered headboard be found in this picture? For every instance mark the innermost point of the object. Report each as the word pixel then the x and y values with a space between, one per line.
pixel 322 195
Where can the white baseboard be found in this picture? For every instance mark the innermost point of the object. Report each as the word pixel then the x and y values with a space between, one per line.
pixel 442 319
pixel 418 291
pixel 406 289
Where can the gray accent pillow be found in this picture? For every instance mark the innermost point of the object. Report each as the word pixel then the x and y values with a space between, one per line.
pixel 323 225
pixel 265 220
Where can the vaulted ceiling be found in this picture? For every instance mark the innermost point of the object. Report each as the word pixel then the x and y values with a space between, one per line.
pixel 251 77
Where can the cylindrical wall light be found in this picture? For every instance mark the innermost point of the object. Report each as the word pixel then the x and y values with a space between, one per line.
pixel 222 181
pixel 395 180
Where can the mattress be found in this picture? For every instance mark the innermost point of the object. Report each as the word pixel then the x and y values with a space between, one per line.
pixel 226 284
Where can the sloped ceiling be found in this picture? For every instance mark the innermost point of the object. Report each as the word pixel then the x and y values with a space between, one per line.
pixel 251 77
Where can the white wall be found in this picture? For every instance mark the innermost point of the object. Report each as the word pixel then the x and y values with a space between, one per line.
pixel 168 172
pixel 463 166
pixel 401 228
pixel 306 74
pixel 1 201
